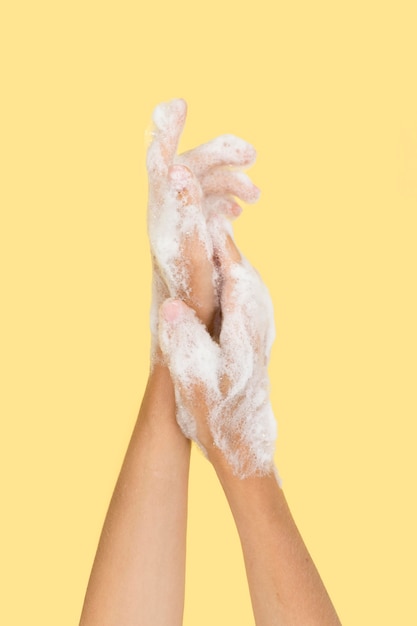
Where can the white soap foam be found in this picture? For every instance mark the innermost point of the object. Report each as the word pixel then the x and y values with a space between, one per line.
pixel 240 419
pixel 226 150
pixel 175 216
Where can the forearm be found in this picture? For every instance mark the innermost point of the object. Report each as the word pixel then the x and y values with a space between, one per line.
pixel 139 570
pixel 285 587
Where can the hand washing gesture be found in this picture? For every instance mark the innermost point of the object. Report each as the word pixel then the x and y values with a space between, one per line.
pixel 212 331
pixel 222 389
pixel 189 198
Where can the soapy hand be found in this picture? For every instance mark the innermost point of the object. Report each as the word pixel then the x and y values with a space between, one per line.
pixel 180 246
pixel 222 389
pixel 190 196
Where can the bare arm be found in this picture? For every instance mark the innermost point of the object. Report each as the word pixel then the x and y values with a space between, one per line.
pixel 285 587
pixel 232 412
pixel 138 572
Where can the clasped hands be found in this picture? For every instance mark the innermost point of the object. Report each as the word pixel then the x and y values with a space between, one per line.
pixel 211 315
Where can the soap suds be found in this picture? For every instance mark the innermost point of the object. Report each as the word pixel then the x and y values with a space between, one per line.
pixel 190 198
pixel 230 377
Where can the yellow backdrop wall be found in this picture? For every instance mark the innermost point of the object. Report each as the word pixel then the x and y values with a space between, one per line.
pixel 326 91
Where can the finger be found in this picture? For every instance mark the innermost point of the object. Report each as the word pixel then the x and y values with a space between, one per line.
pixel 220 205
pixel 226 150
pixel 181 189
pixel 184 185
pixel 235 341
pixel 169 120
pixel 227 259
pixel 191 354
pixel 223 182
pixel 225 249
pixel 194 261
pixel 182 245
pixel 179 237
pixel 191 229
pixel 246 305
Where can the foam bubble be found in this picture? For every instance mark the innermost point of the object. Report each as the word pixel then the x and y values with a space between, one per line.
pixel 229 378
pixel 188 198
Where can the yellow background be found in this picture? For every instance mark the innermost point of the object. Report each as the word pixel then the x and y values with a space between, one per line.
pixel 326 91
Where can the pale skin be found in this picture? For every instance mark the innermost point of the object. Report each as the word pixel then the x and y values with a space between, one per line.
pixel 285 587
pixel 139 569
pixel 138 573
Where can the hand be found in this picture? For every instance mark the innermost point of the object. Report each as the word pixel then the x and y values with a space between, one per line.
pixel 180 246
pixel 218 166
pixel 222 389
pixel 187 196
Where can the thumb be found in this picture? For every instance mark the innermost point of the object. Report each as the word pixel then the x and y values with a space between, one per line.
pixel 190 353
pixel 169 120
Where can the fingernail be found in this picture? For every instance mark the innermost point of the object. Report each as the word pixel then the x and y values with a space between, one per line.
pixel 171 310
pixel 179 174
pixel 236 209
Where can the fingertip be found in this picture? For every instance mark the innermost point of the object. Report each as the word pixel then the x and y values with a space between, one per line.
pixel 179 105
pixel 235 210
pixel 168 120
pixel 245 153
pixel 246 190
pixel 166 112
pixel 251 155
pixel 256 193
